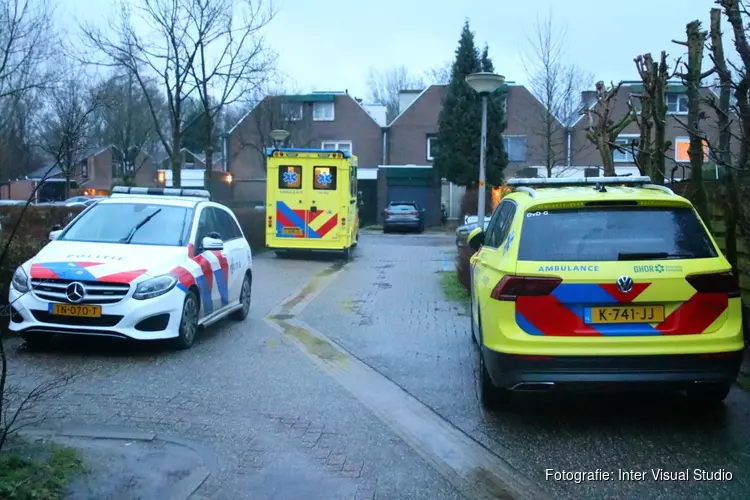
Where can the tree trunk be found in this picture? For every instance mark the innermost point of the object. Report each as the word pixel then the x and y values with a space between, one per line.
pixel 608 163
pixel 696 40
pixel 659 114
pixel 731 204
pixel 176 156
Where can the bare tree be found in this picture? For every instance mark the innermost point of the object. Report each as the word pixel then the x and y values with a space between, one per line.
pixel 693 76
pixel 65 130
pixel 385 86
pixel 26 36
pixel 557 85
pixel 439 75
pixel 17 154
pixel 602 131
pixel 243 62
pixel 164 49
pixel 123 120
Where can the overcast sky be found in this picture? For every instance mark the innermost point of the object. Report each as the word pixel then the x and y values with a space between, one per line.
pixel 331 44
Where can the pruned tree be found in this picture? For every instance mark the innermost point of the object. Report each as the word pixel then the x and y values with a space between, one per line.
pixel 157 42
pixel 26 39
pixel 692 76
pixel 557 84
pixel 232 30
pixel 603 130
pixel 123 120
pixel 650 115
pixel 385 85
pixel 65 129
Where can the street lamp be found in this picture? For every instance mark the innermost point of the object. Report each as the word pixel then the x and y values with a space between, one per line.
pixel 279 136
pixel 484 83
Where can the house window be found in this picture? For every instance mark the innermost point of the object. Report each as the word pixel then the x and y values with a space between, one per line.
pixel 290 177
pixel 291 111
pixel 343 146
pixel 323 111
pixel 682 150
pixel 628 147
pixel 432 145
pixel 677 103
pixel 591 172
pixel 515 147
pixel 325 178
pixel 85 170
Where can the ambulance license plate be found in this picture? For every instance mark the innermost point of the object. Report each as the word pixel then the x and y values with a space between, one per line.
pixel 76 310
pixel 292 230
pixel 628 314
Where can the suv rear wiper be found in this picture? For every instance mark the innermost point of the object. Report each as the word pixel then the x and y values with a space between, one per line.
pixel 650 255
pixel 142 223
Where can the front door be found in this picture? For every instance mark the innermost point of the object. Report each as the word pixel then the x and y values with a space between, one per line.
pixel 291 200
pixel 325 203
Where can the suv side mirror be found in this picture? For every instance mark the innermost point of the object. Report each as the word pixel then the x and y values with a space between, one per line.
pixel 476 238
pixel 210 243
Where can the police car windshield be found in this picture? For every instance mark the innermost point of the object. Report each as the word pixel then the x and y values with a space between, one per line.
pixel 112 223
pixel 614 234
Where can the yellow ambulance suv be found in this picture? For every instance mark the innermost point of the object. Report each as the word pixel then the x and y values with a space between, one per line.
pixel 593 283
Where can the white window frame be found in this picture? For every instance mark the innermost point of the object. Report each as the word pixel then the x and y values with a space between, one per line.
pixel 629 153
pixel 317 117
pixel 429 148
pixel 679 95
pixel 336 145
pixel 525 150
pixel 288 107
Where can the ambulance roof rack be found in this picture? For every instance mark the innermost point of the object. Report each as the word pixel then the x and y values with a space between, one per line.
pixel 527 185
pixel 152 191
pixel 271 151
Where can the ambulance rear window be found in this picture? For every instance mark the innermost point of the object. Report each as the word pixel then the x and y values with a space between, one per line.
pixel 324 178
pixel 290 177
pixel 611 234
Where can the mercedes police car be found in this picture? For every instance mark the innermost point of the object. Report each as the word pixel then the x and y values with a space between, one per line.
pixel 144 264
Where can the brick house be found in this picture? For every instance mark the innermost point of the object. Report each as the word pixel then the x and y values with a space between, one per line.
pixel 94 174
pixel 586 159
pixel 327 120
pixel 412 137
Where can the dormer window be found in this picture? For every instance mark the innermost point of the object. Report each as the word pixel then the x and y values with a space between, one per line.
pixel 677 104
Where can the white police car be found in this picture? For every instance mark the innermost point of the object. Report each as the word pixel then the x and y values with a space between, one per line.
pixel 144 264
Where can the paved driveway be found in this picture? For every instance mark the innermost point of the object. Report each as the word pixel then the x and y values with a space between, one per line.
pixel 359 382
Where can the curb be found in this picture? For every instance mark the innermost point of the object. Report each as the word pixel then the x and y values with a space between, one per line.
pixel 182 490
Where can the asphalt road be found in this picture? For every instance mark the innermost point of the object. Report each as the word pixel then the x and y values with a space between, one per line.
pixel 359 382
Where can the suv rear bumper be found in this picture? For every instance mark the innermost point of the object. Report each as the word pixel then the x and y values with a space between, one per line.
pixel 592 372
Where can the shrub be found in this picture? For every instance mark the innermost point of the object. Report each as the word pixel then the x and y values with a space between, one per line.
pixel 22 248
pixel 35 220
pixel 463 265
pixel 252 222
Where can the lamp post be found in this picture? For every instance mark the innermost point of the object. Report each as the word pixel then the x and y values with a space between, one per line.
pixel 483 83
pixel 279 136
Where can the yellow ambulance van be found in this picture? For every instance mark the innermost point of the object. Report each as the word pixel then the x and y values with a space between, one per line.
pixel 311 201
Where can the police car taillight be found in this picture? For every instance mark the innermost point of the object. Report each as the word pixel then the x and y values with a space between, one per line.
pixel 511 287
pixel 715 283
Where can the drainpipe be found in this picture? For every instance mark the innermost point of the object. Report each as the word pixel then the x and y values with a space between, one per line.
pixel 450 200
pixel 385 146
pixel 569 134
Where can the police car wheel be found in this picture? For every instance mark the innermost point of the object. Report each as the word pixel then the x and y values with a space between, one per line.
pixel 241 313
pixel 188 322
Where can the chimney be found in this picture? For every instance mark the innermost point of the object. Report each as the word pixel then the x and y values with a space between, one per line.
pixel 588 97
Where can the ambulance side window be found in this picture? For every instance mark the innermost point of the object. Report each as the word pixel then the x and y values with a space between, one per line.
pixel 353 182
pixel 290 177
pixel 324 178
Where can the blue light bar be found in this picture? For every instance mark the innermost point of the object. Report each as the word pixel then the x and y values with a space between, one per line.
pixel 151 191
pixel 578 181
pixel 270 151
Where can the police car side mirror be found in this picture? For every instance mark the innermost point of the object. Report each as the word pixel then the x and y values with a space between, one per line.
pixel 475 238
pixel 209 243
pixel 56 227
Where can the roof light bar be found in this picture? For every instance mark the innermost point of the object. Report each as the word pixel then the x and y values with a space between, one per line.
pixel 193 193
pixel 579 181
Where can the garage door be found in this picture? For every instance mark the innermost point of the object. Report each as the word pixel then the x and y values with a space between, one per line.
pixel 423 196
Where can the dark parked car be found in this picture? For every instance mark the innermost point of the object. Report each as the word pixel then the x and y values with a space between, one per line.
pixel 403 215
pixel 470 222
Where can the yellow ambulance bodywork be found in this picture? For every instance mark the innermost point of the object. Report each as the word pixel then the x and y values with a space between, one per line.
pixel 311 200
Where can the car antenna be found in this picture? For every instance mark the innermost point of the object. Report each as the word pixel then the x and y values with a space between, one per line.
pixel 600 187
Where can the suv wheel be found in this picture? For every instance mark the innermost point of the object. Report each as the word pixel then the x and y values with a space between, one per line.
pixel 708 394
pixel 491 396
pixel 189 322
pixel 241 314
pixel 36 340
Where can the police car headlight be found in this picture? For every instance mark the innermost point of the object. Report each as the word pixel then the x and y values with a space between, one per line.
pixel 154 287
pixel 21 280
